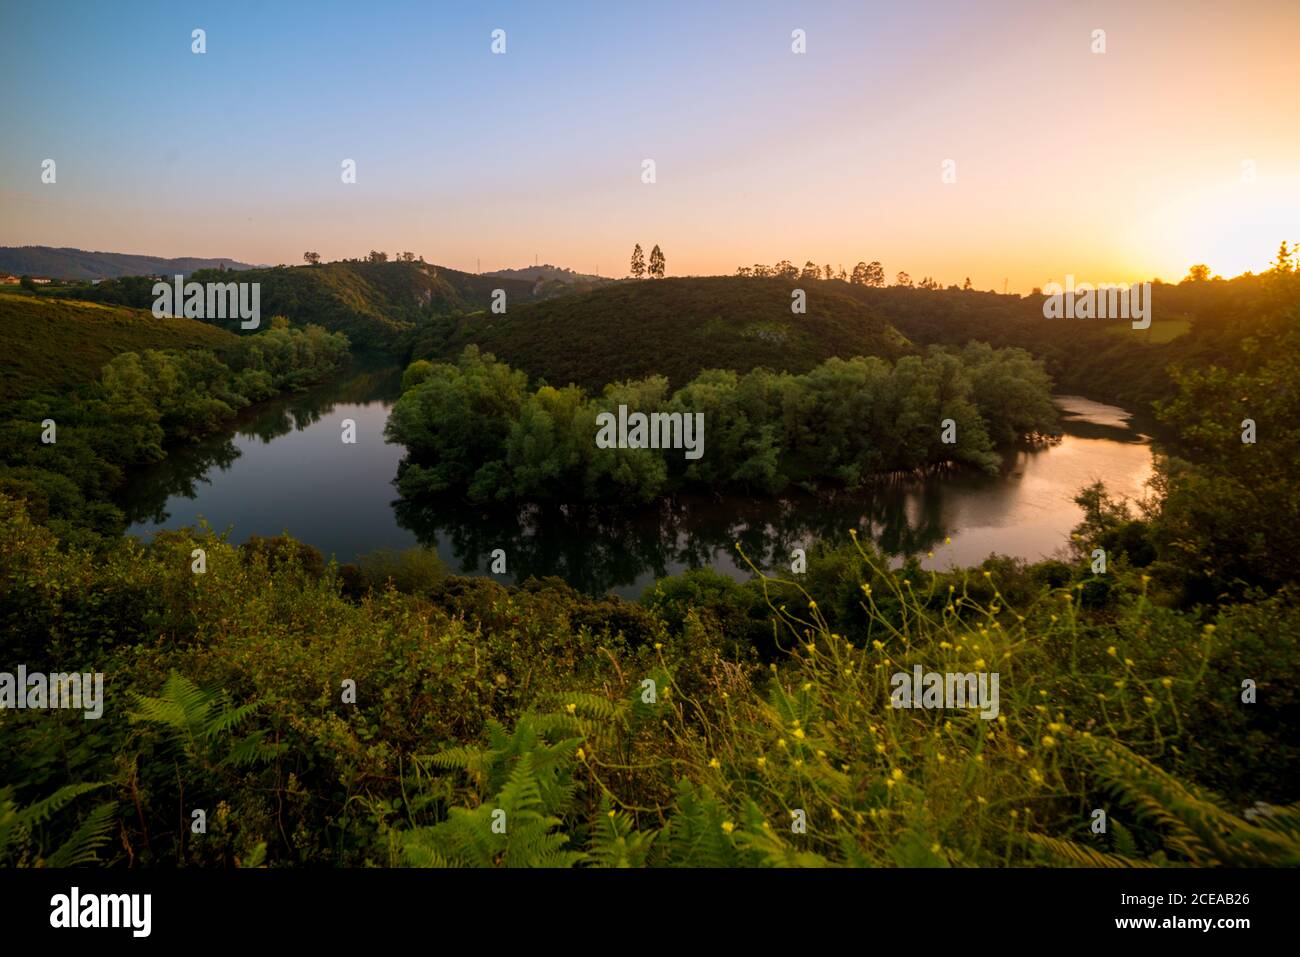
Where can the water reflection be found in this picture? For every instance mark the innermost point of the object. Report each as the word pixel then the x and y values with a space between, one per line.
pixel 285 469
pixel 194 477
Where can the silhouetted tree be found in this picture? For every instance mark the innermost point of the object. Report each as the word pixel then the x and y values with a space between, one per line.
pixel 638 262
pixel 311 259
pixel 656 263
pixel 859 277
pixel 902 279
pixel 875 274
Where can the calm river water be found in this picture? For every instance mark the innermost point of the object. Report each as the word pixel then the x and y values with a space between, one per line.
pixel 284 468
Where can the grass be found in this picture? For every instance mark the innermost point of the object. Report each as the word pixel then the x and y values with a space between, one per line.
pixel 675 328
pixel 1160 331
pixel 56 345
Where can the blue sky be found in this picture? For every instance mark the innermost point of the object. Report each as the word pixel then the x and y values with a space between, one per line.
pixel 465 156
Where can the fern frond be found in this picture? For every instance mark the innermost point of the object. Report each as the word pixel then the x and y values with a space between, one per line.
pixel 82 847
pixel 1069 854
pixel 40 812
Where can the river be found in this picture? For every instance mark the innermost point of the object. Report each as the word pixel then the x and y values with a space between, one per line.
pixel 284 468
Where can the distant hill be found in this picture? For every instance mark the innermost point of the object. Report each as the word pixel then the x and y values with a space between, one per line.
pixel 54 345
pixel 549 273
pixel 68 263
pixel 378 306
pixel 674 327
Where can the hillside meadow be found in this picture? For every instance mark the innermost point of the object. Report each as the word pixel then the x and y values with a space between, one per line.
pixel 56 345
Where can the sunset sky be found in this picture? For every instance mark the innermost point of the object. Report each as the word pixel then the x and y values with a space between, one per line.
pixel 1113 167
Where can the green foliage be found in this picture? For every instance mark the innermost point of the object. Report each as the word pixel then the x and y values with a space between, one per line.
pixel 473 697
pixel 141 403
pixel 474 427
pixel 20 827
pixel 525 780
pixel 1229 517
pixel 51 346
pixel 379 306
pixel 198 723
pixel 683 326
pixel 1194 827
pixel 1195 324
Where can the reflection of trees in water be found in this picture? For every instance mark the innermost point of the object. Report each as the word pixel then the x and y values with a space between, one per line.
pixel 144 499
pixel 1083 429
pixel 149 489
pixel 595 548
pixel 305 409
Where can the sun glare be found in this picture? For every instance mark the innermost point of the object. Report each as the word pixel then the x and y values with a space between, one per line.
pixel 1233 227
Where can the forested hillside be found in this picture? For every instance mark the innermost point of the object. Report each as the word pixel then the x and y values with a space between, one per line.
pixel 670 327
pixel 54 345
pixel 1107 359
